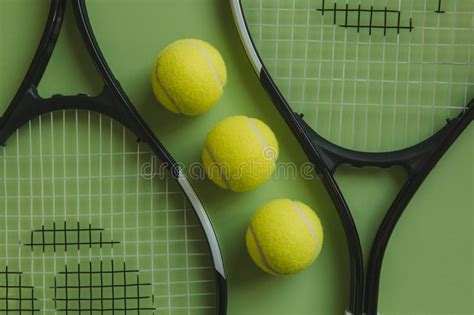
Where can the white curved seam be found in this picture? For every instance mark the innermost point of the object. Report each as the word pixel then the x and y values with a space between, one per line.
pixel 261 252
pixel 211 155
pixel 209 62
pixel 157 77
pixel 308 224
pixel 267 149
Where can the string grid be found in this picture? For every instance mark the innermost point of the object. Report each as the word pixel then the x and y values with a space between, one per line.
pixel 368 75
pixel 92 223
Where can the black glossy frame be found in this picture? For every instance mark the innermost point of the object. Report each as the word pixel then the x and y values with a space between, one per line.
pixel 113 102
pixel 417 160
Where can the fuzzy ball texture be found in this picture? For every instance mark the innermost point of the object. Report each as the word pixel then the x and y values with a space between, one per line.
pixel 240 153
pixel 189 77
pixel 284 237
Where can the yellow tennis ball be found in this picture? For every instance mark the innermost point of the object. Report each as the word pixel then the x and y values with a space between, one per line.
pixel 240 153
pixel 189 77
pixel 284 237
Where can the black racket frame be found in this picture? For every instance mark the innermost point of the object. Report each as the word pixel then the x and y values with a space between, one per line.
pixel 418 161
pixel 113 102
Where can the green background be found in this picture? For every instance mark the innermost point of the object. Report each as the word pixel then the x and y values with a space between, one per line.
pixel 429 265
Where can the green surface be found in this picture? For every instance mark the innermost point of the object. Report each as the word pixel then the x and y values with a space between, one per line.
pixel 429 263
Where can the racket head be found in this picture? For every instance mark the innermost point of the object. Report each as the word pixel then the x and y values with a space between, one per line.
pixel 388 84
pixel 73 265
pixel 80 194
pixel 330 82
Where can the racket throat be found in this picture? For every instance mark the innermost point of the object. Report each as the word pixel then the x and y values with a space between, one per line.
pixel 411 158
pixel 32 105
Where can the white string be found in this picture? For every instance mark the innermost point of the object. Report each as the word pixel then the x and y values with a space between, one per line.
pixel 101 182
pixel 5 205
pixel 305 75
pixel 277 38
pixel 111 170
pixel 89 182
pixel 168 273
pixel 355 93
pixel 397 83
pixel 260 34
pixel 33 283
pixel 18 171
pixel 41 166
pixel 433 109
pixel 331 85
pixel 186 250
pixel 343 86
pixel 133 256
pixel 152 232
pixel 320 65
pixel 124 198
pixel 137 205
pixel 420 89
pixel 64 130
pixel 292 37
pixel 382 89
pixel 367 90
pixel 53 185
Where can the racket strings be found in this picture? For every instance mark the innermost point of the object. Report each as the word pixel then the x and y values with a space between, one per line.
pixel 377 91
pixel 108 288
pixel 81 195
pixel 17 297
pixel 64 236
pixel 363 18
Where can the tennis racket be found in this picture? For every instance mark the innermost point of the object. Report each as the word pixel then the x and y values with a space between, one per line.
pixel 366 83
pixel 94 221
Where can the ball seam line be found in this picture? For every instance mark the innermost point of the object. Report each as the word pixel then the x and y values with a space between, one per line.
pixel 224 178
pixel 158 81
pixel 307 223
pixel 262 141
pixel 261 252
pixel 209 62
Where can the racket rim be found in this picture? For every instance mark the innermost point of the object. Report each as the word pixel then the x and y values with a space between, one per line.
pixel 339 153
pixel 27 98
pixel 326 156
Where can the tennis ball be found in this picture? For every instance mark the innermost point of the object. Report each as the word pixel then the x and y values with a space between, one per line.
pixel 189 77
pixel 284 237
pixel 240 153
